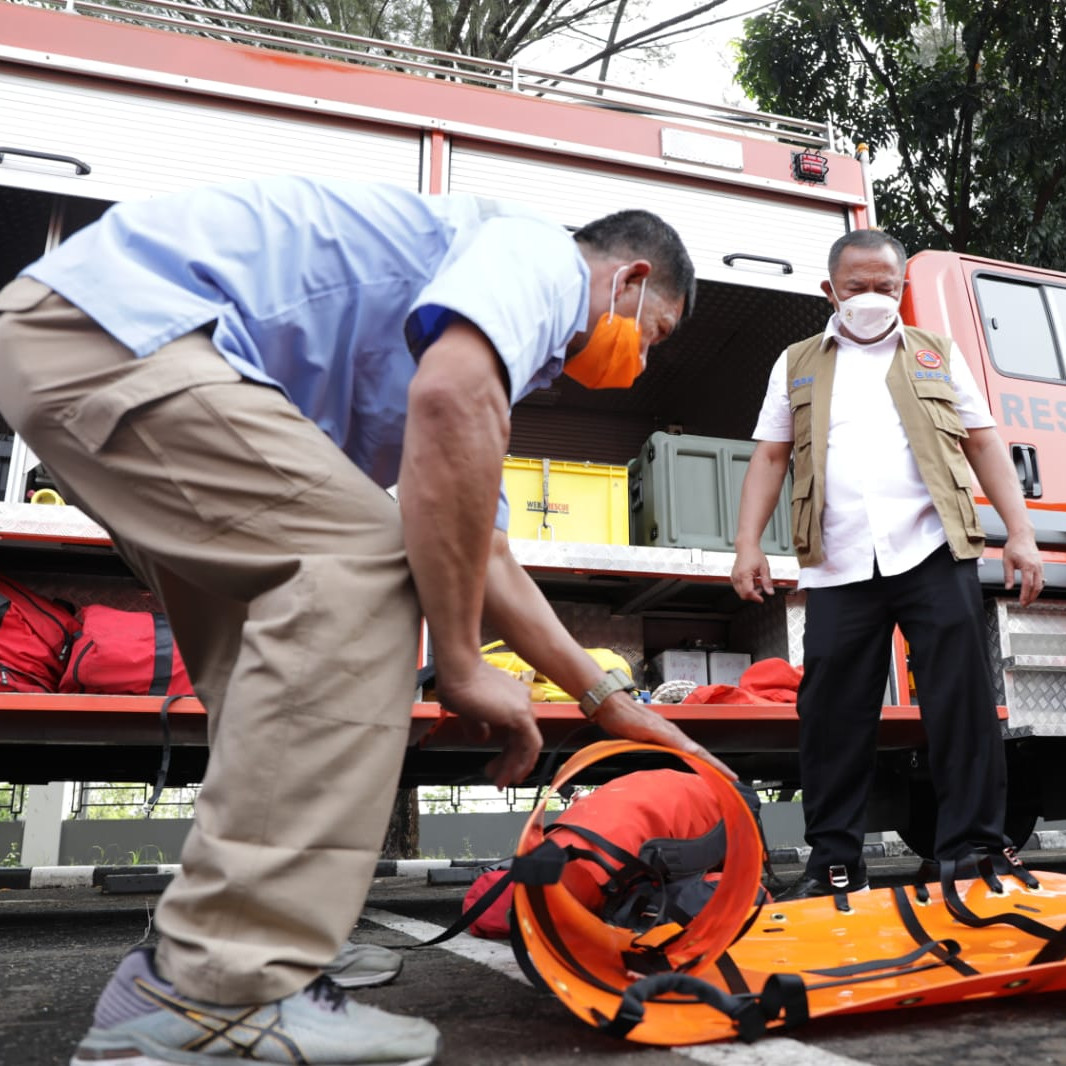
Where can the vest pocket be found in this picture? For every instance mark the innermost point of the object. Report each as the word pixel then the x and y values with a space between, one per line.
pixel 971 524
pixel 800 401
pixel 802 513
pixel 938 399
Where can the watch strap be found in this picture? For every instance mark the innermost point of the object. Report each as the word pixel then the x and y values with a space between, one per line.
pixel 614 680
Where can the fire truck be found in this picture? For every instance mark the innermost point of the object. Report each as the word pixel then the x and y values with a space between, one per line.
pixel 102 102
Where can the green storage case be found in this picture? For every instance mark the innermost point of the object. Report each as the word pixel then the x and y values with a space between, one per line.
pixel 684 492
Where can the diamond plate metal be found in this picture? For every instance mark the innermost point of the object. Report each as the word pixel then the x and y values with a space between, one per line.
pixel 1028 656
pixel 31 520
pixel 771 629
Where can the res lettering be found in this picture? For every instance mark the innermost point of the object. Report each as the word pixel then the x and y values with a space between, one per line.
pixel 1033 412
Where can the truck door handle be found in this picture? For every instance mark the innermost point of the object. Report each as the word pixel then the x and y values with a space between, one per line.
pixel 1024 456
pixel 784 264
pixel 77 164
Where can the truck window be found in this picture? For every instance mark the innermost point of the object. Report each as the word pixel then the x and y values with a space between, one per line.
pixel 1025 326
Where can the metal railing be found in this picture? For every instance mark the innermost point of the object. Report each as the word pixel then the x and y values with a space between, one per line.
pixel 12 800
pixel 202 21
pixel 129 801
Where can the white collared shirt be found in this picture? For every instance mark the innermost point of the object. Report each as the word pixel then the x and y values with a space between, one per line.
pixel 876 504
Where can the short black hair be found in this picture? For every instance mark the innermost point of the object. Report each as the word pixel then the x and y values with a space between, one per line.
pixel 642 235
pixel 870 239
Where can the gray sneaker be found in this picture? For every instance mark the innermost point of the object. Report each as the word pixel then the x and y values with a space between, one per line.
pixel 140 1019
pixel 361 965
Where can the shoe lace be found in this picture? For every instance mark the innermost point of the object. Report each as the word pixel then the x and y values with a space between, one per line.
pixel 325 989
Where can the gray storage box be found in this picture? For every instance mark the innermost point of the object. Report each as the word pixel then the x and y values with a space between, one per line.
pixel 684 492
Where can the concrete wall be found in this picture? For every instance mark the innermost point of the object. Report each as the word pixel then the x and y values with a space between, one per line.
pixel 121 842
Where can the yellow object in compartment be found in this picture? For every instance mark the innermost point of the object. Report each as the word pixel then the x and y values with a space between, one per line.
pixel 586 502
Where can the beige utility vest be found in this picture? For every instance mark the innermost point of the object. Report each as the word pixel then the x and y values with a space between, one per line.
pixel 919 381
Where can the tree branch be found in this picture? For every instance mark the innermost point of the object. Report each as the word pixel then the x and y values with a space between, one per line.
pixel 921 198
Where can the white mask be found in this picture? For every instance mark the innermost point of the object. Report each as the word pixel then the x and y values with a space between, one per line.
pixel 868 315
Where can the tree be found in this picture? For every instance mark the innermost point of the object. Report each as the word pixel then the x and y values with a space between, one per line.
pixel 489 29
pixel 969 95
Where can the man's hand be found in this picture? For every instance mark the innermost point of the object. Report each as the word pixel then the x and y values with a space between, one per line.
pixel 751 574
pixel 622 716
pixel 490 699
pixel 1020 553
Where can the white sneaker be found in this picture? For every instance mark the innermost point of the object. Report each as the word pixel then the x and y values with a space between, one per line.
pixel 361 965
pixel 141 1020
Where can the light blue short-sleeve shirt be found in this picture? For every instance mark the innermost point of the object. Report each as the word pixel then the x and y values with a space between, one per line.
pixel 331 290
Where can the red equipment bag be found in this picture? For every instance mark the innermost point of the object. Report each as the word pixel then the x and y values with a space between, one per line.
pixel 35 639
pixel 494 923
pixel 124 653
pixel 651 827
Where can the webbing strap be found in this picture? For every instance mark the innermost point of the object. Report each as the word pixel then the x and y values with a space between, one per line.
pixel 627 858
pixel 164 760
pixel 920 936
pixel 731 973
pixel 163 664
pixel 525 963
pixel 743 1011
pixel 783 994
pixel 877 966
pixel 542 866
pixel 544 920
pixel 959 911
pixel 1053 951
pixel 681 858
pixel 471 914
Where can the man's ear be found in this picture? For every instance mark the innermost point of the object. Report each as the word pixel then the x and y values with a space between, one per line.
pixel 827 288
pixel 636 272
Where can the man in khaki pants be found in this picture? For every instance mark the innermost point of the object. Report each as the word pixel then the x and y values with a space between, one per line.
pixel 227 380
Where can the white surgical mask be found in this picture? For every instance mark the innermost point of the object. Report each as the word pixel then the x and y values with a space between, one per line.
pixel 868 315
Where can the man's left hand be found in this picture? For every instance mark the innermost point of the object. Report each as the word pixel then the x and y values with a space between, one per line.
pixel 622 716
pixel 1021 554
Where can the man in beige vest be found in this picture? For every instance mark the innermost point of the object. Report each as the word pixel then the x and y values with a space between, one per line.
pixel 882 423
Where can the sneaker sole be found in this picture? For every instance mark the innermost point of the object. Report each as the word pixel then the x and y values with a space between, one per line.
pixel 385 977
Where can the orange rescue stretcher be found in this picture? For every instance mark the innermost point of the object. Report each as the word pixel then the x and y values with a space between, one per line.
pixel 745 966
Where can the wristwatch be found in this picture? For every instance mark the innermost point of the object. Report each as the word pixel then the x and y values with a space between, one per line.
pixel 614 680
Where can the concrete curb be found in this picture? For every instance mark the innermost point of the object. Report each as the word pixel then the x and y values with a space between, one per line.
pixel 21 877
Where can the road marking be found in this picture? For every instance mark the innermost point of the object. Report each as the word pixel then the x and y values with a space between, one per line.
pixel 498 956
pixel 774 1051
pixel 495 954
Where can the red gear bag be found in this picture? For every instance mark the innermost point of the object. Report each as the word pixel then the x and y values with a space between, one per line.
pixel 124 653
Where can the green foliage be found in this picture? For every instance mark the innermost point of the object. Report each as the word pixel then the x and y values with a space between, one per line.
pixel 13 856
pixel 970 95
pixel 145 855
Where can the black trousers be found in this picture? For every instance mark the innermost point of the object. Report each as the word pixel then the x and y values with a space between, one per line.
pixel 847 654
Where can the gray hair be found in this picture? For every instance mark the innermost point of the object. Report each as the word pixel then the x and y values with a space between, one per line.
pixel 869 239
pixel 643 235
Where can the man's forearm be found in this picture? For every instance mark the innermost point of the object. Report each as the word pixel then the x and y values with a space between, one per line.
pixel 449 484
pixel 988 457
pixel 523 617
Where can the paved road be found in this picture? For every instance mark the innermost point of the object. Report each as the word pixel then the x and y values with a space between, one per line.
pixel 57 949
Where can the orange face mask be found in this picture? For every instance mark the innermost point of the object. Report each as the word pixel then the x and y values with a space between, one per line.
pixel 611 359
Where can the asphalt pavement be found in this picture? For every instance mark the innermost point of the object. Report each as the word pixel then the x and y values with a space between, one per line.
pixel 59 946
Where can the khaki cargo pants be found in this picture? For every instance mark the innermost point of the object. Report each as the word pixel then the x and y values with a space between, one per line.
pixel 282 570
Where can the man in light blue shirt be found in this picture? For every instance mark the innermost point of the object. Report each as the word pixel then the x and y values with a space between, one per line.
pixel 227 379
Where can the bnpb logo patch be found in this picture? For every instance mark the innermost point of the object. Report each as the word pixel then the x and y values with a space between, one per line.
pixel 930 360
